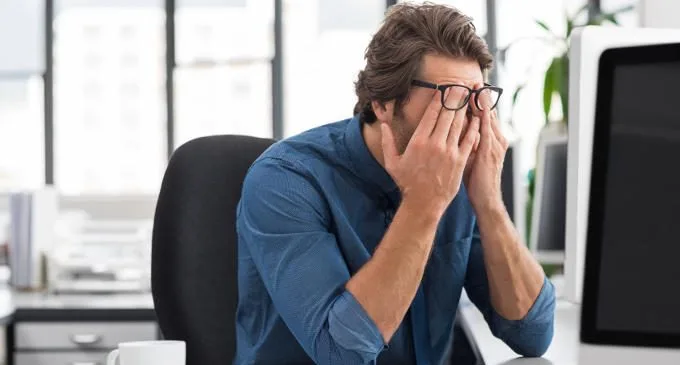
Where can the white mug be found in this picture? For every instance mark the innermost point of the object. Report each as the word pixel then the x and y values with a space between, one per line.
pixel 148 353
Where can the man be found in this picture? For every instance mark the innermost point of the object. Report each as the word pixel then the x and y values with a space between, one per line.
pixel 356 238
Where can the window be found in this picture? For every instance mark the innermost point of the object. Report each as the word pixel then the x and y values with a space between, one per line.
pixel 474 9
pixel 324 46
pixel 108 73
pixel 22 28
pixel 224 50
pixel 21 94
pixel 21 133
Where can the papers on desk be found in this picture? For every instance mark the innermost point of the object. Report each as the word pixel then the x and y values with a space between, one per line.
pixel 32 219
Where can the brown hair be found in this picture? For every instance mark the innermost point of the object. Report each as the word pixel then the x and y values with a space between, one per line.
pixel 394 55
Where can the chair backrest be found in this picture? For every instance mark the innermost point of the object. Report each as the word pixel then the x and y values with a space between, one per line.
pixel 193 268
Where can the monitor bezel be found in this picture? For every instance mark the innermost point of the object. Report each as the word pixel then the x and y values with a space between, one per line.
pixel 590 333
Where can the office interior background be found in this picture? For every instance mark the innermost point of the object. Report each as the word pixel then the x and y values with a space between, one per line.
pixel 96 95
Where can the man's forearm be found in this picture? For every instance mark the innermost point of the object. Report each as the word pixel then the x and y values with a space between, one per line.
pixel 386 285
pixel 515 278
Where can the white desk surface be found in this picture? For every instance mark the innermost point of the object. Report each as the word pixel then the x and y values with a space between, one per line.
pixel 10 300
pixel 565 348
pixel 79 301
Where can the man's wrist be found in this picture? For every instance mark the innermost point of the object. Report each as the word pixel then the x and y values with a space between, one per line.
pixel 490 210
pixel 421 211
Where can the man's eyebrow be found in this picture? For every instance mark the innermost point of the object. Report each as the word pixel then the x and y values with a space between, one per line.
pixel 469 84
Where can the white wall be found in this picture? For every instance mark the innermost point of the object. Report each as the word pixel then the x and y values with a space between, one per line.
pixel 660 13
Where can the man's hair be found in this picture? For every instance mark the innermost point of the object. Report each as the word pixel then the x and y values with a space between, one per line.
pixel 394 55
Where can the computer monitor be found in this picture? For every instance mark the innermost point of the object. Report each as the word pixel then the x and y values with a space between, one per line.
pixel 549 202
pixel 587 44
pixel 631 294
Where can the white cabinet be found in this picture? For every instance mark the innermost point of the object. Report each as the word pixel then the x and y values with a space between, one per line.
pixel 82 343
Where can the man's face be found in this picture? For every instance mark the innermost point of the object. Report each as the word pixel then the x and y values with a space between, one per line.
pixel 437 70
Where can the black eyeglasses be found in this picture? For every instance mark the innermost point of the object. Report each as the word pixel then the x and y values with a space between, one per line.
pixel 490 94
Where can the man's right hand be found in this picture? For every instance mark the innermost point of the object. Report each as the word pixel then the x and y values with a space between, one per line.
pixel 430 170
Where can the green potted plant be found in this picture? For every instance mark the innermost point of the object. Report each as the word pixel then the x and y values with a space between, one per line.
pixel 556 78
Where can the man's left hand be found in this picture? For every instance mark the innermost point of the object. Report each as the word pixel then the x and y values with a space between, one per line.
pixel 483 173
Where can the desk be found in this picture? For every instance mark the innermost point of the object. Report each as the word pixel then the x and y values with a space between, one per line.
pixel 48 329
pixel 42 306
pixel 565 348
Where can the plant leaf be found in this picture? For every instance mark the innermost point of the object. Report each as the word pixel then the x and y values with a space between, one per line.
pixel 624 9
pixel 548 89
pixel 611 18
pixel 570 26
pixel 543 25
pixel 580 10
pixel 559 79
pixel 515 94
pixel 563 88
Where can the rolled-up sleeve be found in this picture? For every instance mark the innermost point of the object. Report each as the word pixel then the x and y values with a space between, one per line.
pixel 529 336
pixel 283 222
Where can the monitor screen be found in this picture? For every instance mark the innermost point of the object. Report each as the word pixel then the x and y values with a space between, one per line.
pixel 632 287
pixel 640 259
pixel 552 181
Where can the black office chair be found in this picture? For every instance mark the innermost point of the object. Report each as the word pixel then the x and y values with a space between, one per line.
pixel 193 267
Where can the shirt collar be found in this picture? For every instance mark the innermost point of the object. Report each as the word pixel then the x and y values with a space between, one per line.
pixel 365 165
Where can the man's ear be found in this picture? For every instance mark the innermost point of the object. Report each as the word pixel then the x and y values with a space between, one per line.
pixel 383 111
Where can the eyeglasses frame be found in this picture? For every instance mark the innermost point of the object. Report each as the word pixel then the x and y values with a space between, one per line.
pixel 442 88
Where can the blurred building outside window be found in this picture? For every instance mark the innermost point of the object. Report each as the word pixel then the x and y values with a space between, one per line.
pixel 224 51
pixel 109 78
pixel 22 64
pixel 324 44
pixel 109 116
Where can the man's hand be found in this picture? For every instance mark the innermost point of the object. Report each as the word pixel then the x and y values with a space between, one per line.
pixel 429 174
pixel 430 171
pixel 515 278
pixel 483 173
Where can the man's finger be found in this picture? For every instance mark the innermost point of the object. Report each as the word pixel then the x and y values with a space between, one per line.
pixel 468 142
pixel 453 118
pixel 429 119
pixel 455 133
pixel 473 103
pixel 389 148
pixel 485 99
pixel 486 133
pixel 466 124
pixel 469 165
pixel 444 121
pixel 495 127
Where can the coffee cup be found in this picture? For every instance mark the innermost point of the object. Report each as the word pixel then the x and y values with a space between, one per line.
pixel 148 353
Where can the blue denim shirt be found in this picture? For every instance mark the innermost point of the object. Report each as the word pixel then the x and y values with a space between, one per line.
pixel 313 209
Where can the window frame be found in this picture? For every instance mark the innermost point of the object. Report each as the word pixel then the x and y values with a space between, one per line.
pixel 171 65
